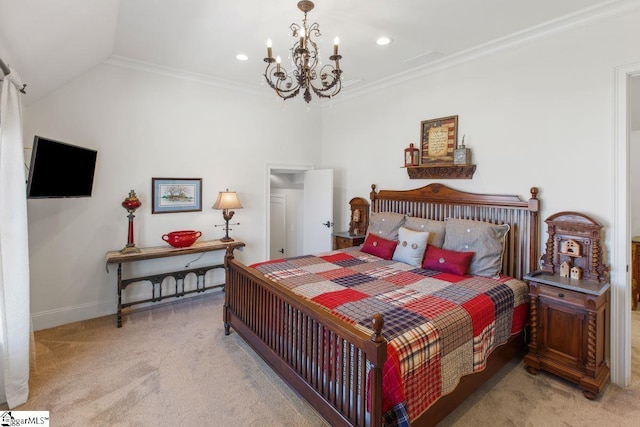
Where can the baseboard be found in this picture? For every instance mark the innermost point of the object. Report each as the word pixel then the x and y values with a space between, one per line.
pixel 61 316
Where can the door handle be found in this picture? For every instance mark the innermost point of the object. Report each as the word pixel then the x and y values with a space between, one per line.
pixel 281 251
pixel 328 224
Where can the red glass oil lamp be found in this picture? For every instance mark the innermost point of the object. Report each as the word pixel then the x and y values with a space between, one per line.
pixel 131 203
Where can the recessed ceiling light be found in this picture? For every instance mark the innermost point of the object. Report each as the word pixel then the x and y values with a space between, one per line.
pixel 383 41
pixel 242 57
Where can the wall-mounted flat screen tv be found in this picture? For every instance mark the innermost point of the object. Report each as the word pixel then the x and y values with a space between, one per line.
pixel 60 170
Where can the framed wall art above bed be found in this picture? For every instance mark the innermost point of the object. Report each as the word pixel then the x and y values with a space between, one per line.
pixel 439 139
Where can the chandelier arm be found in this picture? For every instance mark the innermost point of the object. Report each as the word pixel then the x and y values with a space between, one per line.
pixel 315 28
pixel 285 79
pixel 322 93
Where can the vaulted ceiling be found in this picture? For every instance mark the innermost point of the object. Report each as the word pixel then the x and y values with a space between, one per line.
pixel 51 42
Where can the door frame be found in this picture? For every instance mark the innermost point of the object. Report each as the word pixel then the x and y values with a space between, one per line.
pixel 620 253
pixel 270 170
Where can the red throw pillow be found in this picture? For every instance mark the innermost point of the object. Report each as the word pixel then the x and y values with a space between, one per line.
pixel 447 261
pixel 379 247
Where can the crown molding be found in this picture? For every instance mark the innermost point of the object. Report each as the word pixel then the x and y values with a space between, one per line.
pixel 583 17
pixel 133 64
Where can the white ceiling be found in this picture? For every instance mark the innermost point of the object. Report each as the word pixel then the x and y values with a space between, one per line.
pixel 50 42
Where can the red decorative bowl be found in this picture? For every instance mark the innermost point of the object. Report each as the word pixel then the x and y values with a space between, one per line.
pixel 181 239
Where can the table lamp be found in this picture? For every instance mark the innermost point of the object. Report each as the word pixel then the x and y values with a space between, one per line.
pixel 227 200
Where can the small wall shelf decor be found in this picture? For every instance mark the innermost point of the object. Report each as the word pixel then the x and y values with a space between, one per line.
pixel 411 156
pixel 440 157
pixel 441 171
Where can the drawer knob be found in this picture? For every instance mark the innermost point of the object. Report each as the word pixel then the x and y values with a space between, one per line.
pixel 560 295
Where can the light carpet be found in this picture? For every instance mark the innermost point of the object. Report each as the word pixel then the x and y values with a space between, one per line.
pixel 172 364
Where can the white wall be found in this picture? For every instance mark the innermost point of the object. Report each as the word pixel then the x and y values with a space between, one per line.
pixel 537 114
pixel 146 125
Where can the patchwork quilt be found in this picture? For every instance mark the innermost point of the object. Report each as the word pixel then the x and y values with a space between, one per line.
pixel 439 326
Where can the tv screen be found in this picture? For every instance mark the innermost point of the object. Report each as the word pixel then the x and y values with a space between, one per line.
pixel 60 170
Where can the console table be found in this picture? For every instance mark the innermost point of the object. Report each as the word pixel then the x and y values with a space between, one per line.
pixel 116 257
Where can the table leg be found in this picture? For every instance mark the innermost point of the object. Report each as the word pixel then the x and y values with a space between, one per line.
pixel 119 315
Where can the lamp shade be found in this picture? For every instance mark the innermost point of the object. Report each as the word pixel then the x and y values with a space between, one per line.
pixel 227 200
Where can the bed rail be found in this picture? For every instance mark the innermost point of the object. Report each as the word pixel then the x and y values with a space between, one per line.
pixel 326 361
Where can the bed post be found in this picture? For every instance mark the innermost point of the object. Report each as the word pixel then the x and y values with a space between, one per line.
pixel 534 243
pixel 377 323
pixel 373 195
pixel 228 256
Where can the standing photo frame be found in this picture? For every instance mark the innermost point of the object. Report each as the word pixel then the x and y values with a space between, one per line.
pixel 172 195
pixel 439 138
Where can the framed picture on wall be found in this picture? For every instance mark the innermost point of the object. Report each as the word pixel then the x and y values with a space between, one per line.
pixel 176 195
pixel 439 139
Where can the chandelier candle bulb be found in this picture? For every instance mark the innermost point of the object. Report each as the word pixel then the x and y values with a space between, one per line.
pixel 269 49
pixel 336 42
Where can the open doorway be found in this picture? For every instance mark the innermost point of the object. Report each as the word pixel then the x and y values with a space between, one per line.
pixel 299 212
pixel 634 184
pixel 620 348
pixel 286 214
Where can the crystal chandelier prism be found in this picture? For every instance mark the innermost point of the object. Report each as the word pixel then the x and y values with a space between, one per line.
pixel 306 77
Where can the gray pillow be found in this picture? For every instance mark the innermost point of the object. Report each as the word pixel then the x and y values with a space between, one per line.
pixel 385 224
pixel 483 238
pixel 433 227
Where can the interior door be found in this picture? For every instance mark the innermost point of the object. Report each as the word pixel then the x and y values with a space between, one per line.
pixel 278 229
pixel 318 211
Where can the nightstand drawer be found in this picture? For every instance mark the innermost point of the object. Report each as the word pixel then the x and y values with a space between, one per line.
pixel 344 240
pixel 560 294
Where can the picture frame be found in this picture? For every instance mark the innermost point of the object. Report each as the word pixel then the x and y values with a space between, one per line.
pixel 171 195
pixel 439 139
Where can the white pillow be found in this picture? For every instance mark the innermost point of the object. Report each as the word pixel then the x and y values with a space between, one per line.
pixel 411 246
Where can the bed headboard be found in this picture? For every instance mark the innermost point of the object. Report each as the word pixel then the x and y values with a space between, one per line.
pixel 438 202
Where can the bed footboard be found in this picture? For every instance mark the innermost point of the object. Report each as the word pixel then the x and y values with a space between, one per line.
pixel 336 367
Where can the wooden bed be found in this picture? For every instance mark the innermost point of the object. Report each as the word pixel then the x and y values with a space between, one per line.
pixel 299 341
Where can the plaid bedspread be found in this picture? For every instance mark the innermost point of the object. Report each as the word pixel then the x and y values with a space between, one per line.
pixel 439 326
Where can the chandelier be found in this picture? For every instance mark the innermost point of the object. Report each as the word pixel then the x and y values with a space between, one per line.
pixel 325 83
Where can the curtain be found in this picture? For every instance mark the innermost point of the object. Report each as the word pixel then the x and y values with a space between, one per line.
pixel 14 252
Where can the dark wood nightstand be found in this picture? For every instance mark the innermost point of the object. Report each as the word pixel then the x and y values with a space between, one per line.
pixel 570 304
pixel 345 240
pixel 569 329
